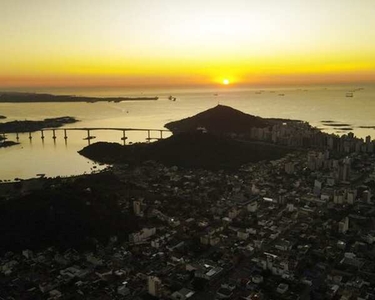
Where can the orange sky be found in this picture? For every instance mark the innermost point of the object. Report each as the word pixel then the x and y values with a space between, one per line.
pixel 185 43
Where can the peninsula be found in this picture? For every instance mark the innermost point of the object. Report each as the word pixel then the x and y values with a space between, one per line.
pixel 218 138
pixel 15 97
pixel 188 150
pixel 30 126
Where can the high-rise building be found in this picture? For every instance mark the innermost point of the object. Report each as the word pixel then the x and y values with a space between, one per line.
pixel 344 170
pixel 317 187
pixel 366 196
pixel 344 225
pixel 154 286
pixel 137 208
pixel 351 196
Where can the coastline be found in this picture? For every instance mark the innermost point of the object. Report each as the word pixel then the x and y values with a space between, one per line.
pixel 15 97
pixel 31 126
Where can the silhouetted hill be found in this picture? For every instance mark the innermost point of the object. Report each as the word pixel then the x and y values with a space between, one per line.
pixel 219 119
pixel 191 150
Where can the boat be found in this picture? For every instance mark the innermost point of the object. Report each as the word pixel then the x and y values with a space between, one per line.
pixel 281 94
pixel 349 94
pixel 172 98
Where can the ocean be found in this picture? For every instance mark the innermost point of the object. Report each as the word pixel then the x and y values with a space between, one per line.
pixel 57 158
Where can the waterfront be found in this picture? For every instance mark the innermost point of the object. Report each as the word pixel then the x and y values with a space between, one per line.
pixel 312 104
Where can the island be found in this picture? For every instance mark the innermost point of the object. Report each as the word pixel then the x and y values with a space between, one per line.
pixel 15 97
pixel 2 117
pixel 31 126
pixel 5 144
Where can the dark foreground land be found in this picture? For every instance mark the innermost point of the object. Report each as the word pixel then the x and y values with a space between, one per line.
pixel 189 150
pixel 32 97
pixel 65 213
pixel 30 126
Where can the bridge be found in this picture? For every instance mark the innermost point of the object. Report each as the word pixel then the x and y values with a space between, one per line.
pixel 89 130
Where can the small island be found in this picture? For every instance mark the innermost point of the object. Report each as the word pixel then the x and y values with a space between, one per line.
pixel 31 126
pixel 15 97
pixel 5 144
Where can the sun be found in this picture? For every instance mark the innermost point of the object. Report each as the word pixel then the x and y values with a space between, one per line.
pixel 226 81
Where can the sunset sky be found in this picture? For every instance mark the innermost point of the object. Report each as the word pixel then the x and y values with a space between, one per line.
pixel 195 42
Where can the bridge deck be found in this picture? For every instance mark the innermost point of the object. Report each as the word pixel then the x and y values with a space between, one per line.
pixel 105 128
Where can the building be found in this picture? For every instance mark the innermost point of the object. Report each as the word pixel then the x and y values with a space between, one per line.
pixel 344 225
pixel 154 286
pixel 137 207
pixel 182 294
pixel 143 235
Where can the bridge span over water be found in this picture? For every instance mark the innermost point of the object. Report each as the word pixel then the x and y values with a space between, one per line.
pixel 151 134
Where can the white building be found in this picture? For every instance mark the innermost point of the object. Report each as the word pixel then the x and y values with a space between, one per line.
pixel 182 294
pixel 137 207
pixel 154 286
pixel 143 235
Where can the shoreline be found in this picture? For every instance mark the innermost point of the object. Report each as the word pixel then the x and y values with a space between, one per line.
pixel 32 126
pixel 37 178
pixel 16 97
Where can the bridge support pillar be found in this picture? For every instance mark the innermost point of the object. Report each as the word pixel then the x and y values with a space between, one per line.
pixel 148 136
pixel 124 138
pixel 65 134
pixel 161 134
pixel 42 134
pixel 17 136
pixel 54 134
pixel 30 137
pixel 88 137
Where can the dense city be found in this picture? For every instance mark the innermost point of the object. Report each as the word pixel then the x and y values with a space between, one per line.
pixel 299 227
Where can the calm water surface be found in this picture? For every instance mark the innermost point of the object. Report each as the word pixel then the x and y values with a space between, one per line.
pixel 312 104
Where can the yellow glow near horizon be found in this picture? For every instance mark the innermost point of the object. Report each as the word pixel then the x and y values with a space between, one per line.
pixel 225 81
pixel 168 42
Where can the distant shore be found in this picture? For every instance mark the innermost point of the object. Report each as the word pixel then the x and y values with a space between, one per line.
pixel 30 126
pixel 14 97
